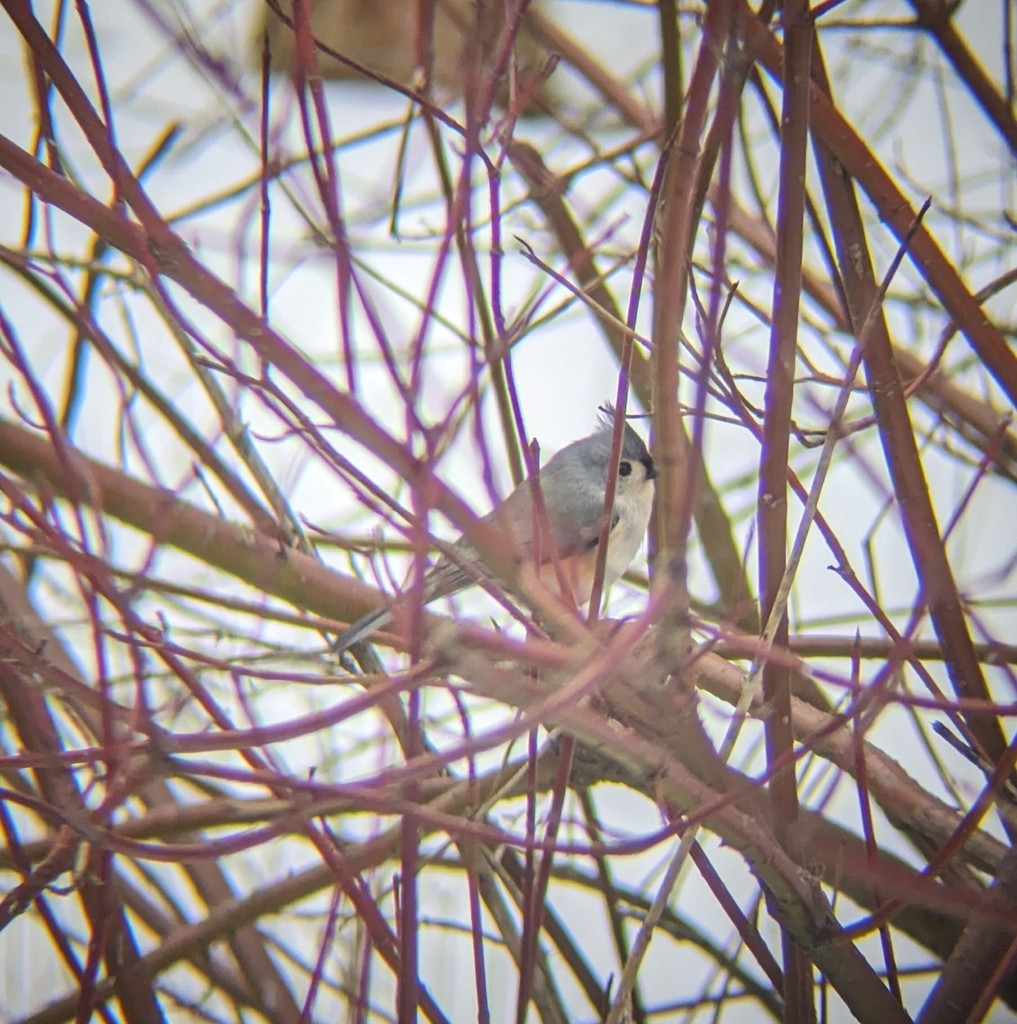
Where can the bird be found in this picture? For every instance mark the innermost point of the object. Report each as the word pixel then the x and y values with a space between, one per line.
pixel 573 484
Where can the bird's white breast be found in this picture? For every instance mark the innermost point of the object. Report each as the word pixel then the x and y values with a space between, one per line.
pixel 633 511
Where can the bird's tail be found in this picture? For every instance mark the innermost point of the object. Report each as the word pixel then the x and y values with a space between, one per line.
pixel 362 629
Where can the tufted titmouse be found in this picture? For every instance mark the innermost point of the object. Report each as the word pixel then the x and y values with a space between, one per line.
pixel 572 487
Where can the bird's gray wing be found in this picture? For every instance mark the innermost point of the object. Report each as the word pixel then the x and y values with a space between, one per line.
pixel 573 517
pixel 463 565
pixel 449 575
pixel 362 629
pixel 575 507
pixel 569 522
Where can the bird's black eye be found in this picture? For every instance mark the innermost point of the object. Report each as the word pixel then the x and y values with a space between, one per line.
pixel 625 468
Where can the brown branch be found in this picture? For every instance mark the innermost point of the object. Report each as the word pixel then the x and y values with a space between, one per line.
pixel 830 127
